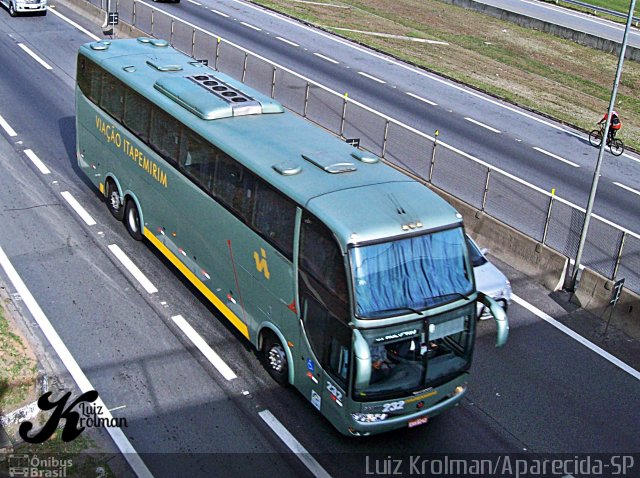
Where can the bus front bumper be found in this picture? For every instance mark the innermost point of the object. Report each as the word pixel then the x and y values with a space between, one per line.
pixel 360 428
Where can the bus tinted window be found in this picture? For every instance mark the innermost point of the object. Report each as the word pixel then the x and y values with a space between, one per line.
pixel 198 161
pixel 112 98
pixel 137 114
pixel 321 257
pixel 89 78
pixel 228 183
pixel 165 134
pixel 275 217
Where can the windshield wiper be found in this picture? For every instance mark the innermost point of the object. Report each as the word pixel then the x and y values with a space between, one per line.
pixel 459 294
pixel 399 309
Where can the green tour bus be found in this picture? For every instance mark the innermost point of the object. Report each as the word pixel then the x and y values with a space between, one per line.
pixel 352 280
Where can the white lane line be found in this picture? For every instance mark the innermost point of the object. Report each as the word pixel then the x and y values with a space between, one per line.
pixel 294 445
pixel 195 3
pixel 37 161
pixel 28 51
pixel 579 338
pixel 207 351
pixel 540 150
pixel 366 75
pixel 7 127
pixel 326 58
pixel 287 41
pixel 75 205
pixel 471 120
pixel 222 14
pixel 133 269
pixel 253 27
pixel 429 102
pixel 74 24
pixel 634 191
pixel 117 435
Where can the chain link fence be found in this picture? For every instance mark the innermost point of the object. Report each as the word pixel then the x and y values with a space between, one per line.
pixel 610 250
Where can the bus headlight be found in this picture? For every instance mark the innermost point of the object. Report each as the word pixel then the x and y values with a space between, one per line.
pixel 369 417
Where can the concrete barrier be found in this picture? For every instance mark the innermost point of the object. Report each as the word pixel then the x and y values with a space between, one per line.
pixel 594 293
pixel 593 41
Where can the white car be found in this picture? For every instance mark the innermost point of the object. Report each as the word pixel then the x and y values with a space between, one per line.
pixel 489 279
pixel 16 7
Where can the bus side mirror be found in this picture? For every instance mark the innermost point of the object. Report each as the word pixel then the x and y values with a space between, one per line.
pixel 362 356
pixel 500 317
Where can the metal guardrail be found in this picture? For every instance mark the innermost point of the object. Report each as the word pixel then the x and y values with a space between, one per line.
pixel 611 250
pixel 596 8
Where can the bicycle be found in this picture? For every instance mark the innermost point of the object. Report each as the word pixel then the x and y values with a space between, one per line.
pixel 616 146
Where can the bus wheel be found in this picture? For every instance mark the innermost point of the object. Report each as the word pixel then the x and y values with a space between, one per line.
pixel 114 204
pixel 275 359
pixel 132 220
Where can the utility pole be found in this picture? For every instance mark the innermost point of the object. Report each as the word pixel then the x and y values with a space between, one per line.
pixel 603 144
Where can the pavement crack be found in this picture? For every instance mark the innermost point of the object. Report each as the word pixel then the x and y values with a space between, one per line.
pixel 30 207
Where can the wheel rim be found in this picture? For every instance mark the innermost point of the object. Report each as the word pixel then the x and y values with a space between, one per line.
pixel 114 201
pixel 133 220
pixel 277 358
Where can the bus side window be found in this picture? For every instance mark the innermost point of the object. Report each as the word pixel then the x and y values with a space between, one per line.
pixel 165 134
pixel 137 114
pixel 112 99
pixel 228 181
pixel 198 159
pixel 275 217
pixel 89 78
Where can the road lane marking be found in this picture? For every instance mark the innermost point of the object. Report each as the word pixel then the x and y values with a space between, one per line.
pixel 579 338
pixel 322 4
pixel 194 2
pixel 287 41
pixel 206 350
pixel 620 185
pixel 388 35
pixel 220 13
pixel 420 98
pixel 75 205
pixel 7 127
pixel 331 60
pixel 28 51
pixel 471 120
pixel 253 27
pixel 74 24
pixel 294 445
pixel 133 269
pixel 570 163
pixel 117 435
pixel 37 161
pixel 366 75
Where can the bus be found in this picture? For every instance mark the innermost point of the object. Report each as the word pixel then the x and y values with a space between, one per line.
pixel 352 280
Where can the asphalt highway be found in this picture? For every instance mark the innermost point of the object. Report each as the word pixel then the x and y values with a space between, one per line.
pixel 543 392
pixel 543 153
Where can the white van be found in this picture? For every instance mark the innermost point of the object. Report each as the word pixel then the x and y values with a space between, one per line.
pixel 17 7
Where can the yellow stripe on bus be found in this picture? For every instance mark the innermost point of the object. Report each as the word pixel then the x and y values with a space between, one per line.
pixel 233 318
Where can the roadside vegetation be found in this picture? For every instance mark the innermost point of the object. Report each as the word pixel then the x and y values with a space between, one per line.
pixel 556 77
pixel 621 6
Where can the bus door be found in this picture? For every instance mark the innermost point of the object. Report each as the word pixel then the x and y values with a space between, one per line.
pixel 325 336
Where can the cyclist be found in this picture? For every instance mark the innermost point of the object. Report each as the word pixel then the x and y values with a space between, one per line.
pixel 614 126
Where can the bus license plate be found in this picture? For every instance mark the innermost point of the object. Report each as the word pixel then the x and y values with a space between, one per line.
pixel 418 421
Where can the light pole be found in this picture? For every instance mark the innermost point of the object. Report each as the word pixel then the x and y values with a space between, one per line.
pixel 603 144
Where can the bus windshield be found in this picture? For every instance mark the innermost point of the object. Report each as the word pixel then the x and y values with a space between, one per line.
pixel 417 355
pixel 409 275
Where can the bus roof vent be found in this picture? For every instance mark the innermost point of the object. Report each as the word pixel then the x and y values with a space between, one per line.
pixel 153 41
pixel 287 169
pixel 329 162
pixel 365 157
pixel 161 67
pixel 223 101
pixel 100 45
pixel 241 104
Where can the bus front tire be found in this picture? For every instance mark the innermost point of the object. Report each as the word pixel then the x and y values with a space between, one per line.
pixel 114 204
pixel 12 10
pixel 132 220
pixel 275 359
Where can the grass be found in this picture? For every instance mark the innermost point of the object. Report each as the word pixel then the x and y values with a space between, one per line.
pixel 557 77
pixel 621 6
pixel 18 368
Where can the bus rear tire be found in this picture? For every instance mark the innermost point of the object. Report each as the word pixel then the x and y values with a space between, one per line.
pixel 114 203
pixel 132 220
pixel 274 359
